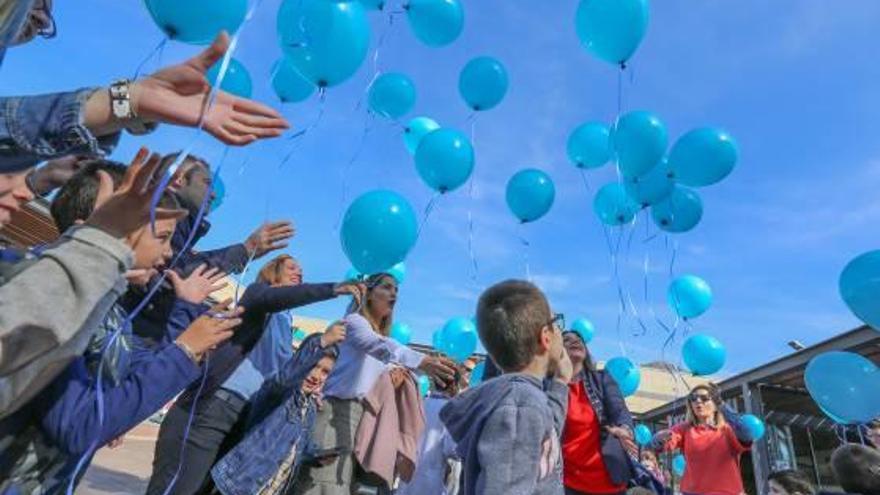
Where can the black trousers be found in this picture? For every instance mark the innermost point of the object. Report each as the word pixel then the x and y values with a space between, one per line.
pixel 215 423
pixel 572 491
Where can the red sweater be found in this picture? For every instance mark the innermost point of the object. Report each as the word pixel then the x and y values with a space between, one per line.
pixel 712 456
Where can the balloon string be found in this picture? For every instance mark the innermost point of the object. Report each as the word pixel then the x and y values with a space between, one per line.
pixel 524 242
pixel 157 51
pixel 346 169
pixel 186 430
pixel 620 89
pixel 435 198
pixel 470 214
pixel 322 100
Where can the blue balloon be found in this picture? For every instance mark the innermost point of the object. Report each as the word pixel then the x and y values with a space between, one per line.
pixel 613 206
pixel 401 333
pixel 844 385
pixel 398 271
pixel 652 187
pixel 530 194
pixel 353 274
pixel 477 374
pixel 612 29
pixel 373 4
pixel 589 145
pixel 483 83
pixel 680 212
pixel 392 95
pixel 625 373
pixel 435 22
pixel 643 435
pixel 860 287
pixel 459 338
pixel 437 340
pixel 754 426
pixel 424 385
pixel 445 159
pixel 679 464
pixel 299 335
pixel 639 140
pixel 689 296
pixel 326 41
pixel 236 81
pixel 197 22
pixel 288 83
pixel 218 189
pixel 703 157
pixel 415 130
pixel 378 230
pixel 584 328
pixel 703 354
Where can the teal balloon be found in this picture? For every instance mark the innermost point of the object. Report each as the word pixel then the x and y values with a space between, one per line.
pixel 530 194
pixel 288 83
pixel 353 274
pixel 589 145
pixel 445 159
pixel 327 41
pixel 613 206
pixel 299 335
pixel 639 140
pixel 219 190
pixel 754 426
pixel 679 464
pixel 401 333
pixel 415 130
pixel 459 338
pixel 652 187
pixel 236 80
pixel 378 231
pixel 703 354
pixel 437 340
pixel 703 156
pixel 392 95
pixel 398 271
pixel 689 296
pixel 584 328
pixel 435 22
pixel 643 435
pixel 625 373
pixel 373 4
pixel 680 212
pixel 477 374
pixel 612 29
pixel 844 385
pixel 424 385
pixel 483 83
pixel 860 287
pixel 197 22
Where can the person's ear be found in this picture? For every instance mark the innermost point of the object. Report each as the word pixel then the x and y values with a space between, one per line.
pixel 545 341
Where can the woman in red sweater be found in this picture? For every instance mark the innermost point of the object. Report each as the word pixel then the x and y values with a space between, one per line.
pixel 712 439
pixel 598 428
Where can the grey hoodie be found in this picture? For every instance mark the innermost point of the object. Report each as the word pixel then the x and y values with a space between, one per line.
pixel 507 431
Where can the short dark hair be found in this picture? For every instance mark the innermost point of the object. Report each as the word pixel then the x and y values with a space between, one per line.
pixel 196 163
pixel 76 198
pixel 857 468
pixel 792 481
pixel 510 317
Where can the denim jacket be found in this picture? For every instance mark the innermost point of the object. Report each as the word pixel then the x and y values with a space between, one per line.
pixel 280 423
pixel 42 127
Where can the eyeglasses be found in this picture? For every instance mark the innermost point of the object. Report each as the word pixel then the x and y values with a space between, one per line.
pixel 700 398
pixel 557 322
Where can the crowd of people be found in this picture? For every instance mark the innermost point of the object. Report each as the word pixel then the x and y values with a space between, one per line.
pixel 102 328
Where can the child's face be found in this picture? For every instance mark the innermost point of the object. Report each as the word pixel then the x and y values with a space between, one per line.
pixel 14 193
pixel 153 251
pixel 316 378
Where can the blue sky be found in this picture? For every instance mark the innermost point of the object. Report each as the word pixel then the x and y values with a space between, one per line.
pixel 793 80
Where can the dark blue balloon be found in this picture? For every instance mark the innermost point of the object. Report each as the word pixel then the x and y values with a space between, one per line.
pixel 415 130
pixel 378 231
pixel 703 157
pixel 643 435
pixel 288 83
pixel 197 22
pixel 626 373
pixel 589 145
pixel 459 338
pixel 703 354
pixel 327 41
pixel 392 95
pixel 612 29
pixel 236 81
pixel 530 194
pixel 680 212
pixel 689 296
pixel 860 287
pixel 844 385
pixel 639 140
pixel 613 206
pixel 483 83
pixel 445 159
pixel 401 333
pixel 652 187
pixel 435 22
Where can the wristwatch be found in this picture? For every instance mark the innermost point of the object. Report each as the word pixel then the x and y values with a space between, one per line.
pixel 120 102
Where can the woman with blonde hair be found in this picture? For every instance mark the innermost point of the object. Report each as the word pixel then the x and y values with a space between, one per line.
pixel 712 439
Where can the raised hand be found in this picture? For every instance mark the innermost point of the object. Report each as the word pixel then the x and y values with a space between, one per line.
pixel 269 237
pixel 200 284
pixel 334 334
pixel 440 368
pixel 55 174
pixel 210 329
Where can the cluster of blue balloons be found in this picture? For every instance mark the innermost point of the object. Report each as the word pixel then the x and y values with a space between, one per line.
pixel 689 296
pixel 844 385
pixel 860 287
pixel 530 194
pixel 378 230
pixel 703 354
pixel 626 373
pixel 457 339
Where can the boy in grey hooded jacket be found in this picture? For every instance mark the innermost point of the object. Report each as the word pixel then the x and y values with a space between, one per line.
pixel 508 428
